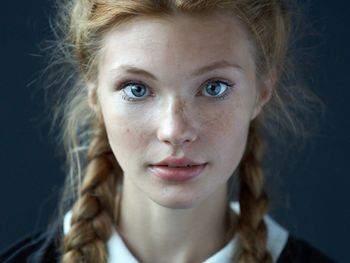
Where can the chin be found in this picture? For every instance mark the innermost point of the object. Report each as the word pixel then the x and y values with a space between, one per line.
pixel 177 201
pixel 176 205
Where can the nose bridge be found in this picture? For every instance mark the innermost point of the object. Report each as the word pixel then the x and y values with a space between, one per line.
pixel 177 107
pixel 176 124
pixel 175 115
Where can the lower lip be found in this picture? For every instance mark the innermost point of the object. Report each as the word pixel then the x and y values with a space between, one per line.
pixel 177 174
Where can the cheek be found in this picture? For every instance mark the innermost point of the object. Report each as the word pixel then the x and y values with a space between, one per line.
pixel 226 133
pixel 228 123
pixel 127 133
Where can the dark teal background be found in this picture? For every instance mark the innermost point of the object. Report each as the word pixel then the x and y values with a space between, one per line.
pixel 310 195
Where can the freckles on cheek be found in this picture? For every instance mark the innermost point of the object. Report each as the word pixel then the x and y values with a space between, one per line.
pixel 217 124
pixel 225 131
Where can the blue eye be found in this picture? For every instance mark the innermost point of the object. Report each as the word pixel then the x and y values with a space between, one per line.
pixel 135 91
pixel 216 88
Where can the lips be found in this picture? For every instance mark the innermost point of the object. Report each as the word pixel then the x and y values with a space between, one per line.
pixel 177 169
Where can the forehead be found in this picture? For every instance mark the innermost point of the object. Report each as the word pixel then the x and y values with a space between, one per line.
pixel 177 42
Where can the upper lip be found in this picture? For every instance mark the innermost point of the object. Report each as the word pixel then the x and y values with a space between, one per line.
pixel 177 162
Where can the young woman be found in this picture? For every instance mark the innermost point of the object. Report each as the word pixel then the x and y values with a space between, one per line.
pixel 169 101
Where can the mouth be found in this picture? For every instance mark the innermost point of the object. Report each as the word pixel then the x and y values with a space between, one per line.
pixel 177 162
pixel 177 169
pixel 176 166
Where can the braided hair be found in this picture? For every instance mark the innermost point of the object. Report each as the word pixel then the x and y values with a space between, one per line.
pixel 253 202
pixel 95 210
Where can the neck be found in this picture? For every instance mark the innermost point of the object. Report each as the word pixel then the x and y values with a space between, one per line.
pixel 156 233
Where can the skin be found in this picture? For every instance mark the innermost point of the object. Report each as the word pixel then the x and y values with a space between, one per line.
pixel 164 221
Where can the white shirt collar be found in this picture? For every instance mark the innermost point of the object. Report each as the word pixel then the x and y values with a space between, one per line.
pixel 277 238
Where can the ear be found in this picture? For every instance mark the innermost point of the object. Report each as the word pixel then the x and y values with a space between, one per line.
pixel 264 96
pixel 93 101
pixel 92 96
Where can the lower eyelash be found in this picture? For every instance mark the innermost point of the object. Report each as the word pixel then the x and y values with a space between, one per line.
pixel 127 98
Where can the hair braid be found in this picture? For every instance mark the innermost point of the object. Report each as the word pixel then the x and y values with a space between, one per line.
pixel 253 203
pixel 94 211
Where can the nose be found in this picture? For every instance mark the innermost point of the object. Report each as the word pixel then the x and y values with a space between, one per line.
pixel 176 127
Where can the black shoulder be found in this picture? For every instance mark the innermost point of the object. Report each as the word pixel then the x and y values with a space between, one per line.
pixel 38 248
pixel 299 251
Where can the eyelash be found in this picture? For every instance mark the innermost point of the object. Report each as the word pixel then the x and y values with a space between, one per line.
pixel 124 84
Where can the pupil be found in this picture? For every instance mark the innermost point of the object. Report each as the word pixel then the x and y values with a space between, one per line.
pixel 138 91
pixel 213 89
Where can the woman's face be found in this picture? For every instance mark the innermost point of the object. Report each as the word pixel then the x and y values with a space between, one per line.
pixel 177 95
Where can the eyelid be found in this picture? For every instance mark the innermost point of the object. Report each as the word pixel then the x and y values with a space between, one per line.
pixel 225 81
pixel 123 83
pixel 229 83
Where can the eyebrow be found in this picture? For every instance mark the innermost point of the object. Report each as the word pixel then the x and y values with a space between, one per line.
pixel 138 71
pixel 217 65
pixel 134 70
